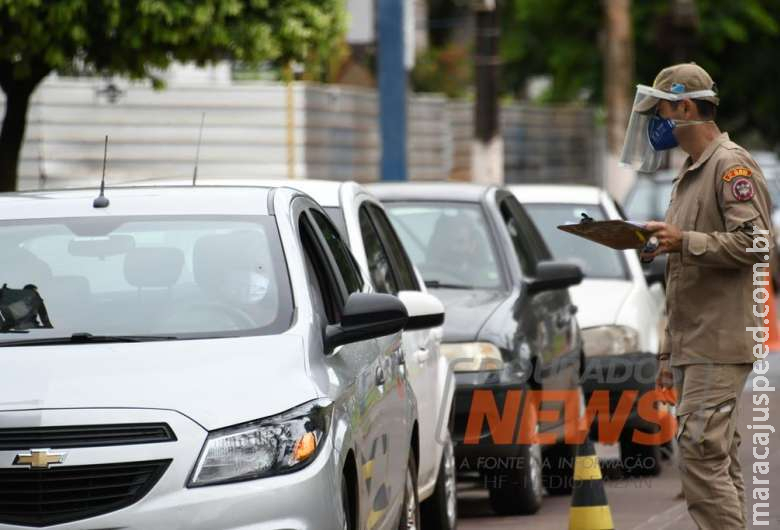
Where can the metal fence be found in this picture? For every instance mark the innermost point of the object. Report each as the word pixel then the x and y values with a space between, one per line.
pixel 270 130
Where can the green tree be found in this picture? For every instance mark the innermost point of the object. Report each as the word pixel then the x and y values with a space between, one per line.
pixel 734 40
pixel 133 37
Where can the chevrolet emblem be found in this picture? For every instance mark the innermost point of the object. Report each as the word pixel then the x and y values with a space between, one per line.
pixel 38 459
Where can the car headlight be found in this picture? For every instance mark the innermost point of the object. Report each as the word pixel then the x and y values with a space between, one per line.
pixel 262 448
pixel 610 340
pixel 473 356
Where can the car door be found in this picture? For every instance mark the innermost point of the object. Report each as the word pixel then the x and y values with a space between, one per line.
pixel 391 271
pixel 384 443
pixel 551 311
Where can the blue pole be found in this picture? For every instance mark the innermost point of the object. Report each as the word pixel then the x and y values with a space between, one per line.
pixel 392 90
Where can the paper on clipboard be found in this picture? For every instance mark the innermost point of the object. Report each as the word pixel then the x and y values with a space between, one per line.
pixel 617 234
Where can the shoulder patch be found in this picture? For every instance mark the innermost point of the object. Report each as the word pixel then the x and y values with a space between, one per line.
pixel 742 189
pixel 740 171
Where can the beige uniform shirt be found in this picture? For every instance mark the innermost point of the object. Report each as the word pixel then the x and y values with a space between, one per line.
pixel 717 202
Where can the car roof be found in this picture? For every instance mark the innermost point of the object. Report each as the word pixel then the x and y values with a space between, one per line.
pixel 140 200
pixel 557 194
pixel 326 192
pixel 434 191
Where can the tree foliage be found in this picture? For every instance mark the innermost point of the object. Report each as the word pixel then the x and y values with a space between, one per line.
pixel 734 40
pixel 135 37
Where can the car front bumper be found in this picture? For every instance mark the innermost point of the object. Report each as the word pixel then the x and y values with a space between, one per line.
pixel 301 500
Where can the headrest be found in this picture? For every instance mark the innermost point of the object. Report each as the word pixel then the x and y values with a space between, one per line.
pixel 153 267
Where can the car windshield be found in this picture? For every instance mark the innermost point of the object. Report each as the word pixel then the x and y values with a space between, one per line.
pixel 450 243
pixel 596 261
pixel 177 277
pixel 649 200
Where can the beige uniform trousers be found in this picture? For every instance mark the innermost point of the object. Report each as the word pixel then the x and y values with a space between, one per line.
pixel 708 441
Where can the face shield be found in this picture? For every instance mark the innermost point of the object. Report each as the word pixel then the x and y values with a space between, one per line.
pixel 649 137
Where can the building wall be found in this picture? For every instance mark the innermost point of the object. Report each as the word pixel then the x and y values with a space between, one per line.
pixel 269 130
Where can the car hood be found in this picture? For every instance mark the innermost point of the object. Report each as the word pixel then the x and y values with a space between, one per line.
pixel 466 311
pixel 215 382
pixel 599 301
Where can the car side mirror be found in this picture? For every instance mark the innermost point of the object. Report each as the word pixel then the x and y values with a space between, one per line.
pixel 366 316
pixel 425 310
pixel 655 271
pixel 552 275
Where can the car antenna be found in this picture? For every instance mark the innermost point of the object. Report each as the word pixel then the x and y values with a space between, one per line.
pixel 197 150
pixel 101 201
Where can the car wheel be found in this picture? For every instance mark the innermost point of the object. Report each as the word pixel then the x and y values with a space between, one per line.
pixel 410 513
pixel 519 490
pixel 441 509
pixel 639 460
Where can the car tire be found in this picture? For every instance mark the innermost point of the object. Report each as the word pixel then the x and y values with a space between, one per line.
pixel 559 469
pixel 519 491
pixel 410 510
pixel 639 460
pixel 440 510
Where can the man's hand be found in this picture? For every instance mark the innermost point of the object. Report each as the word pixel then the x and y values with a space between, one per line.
pixel 669 239
pixel 665 378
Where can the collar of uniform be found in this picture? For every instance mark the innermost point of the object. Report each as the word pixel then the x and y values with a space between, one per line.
pixel 711 148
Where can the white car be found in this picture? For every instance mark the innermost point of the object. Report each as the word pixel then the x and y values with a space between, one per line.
pixel 620 309
pixel 379 251
pixel 374 243
pixel 200 359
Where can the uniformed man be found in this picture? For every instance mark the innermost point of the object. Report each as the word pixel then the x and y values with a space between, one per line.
pixel 719 209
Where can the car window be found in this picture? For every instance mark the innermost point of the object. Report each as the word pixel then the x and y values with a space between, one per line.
pixel 596 261
pixel 648 200
pixel 378 262
pixel 449 242
pixel 353 281
pixel 336 215
pixel 530 230
pixel 528 246
pixel 323 288
pixel 180 276
pixel 407 279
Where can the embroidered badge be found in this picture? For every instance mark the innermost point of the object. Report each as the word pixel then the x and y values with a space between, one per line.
pixel 742 189
pixel 737 172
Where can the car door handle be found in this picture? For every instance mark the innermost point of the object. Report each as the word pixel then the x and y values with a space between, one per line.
pixel 422 355
pixel 379 376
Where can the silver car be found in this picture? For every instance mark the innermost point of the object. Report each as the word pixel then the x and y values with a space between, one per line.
pixel 197 358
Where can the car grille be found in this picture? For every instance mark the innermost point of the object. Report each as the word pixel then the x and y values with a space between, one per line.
pixel 84 436
pixel 69 493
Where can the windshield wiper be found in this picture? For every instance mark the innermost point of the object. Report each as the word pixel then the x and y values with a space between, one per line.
pixel 84 338
pixel 436 284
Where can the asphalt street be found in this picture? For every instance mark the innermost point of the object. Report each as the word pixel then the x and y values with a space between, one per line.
pixel 638 503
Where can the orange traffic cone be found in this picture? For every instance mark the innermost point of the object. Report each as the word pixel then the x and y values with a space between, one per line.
pixel 589 507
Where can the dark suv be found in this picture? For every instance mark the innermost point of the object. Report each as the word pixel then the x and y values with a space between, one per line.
pixel 510 328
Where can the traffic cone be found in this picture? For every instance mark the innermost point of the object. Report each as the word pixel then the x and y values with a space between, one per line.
pixel 589 507
pixel 774 334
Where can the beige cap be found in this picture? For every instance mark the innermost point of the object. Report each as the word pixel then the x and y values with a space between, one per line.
pixel 680 78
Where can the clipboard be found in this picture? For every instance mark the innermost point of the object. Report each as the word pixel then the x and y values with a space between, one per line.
pixel 617 234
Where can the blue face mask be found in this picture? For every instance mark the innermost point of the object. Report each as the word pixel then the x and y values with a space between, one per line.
pixel 660 132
